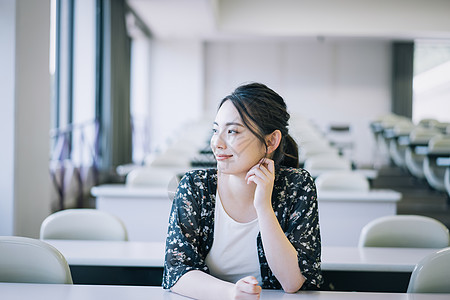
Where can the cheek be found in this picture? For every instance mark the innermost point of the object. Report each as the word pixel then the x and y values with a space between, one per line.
pixel 250 147
pixel 241 142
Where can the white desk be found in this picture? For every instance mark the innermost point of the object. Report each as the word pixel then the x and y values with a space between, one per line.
pixel 145 211
pixel 342 214
pixel 24 291
pixel 111 253
pixel 141 263
pixel 372 259
pixel 151 254
pixel 370 174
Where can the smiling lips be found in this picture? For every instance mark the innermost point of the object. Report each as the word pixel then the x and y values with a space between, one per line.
pixel 222 157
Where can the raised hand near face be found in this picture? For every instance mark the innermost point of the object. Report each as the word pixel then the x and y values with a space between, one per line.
pixel 263 175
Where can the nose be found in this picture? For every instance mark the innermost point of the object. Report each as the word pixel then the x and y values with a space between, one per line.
pixel 217 141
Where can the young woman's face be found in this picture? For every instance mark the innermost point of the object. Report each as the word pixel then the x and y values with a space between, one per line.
pixel 235 147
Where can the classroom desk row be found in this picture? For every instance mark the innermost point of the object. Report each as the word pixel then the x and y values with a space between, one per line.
pixel 20 291
pixel 23 291
pixel 342 214
pixel 141 263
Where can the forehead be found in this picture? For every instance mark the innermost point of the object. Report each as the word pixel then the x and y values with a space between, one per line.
pixel 227 113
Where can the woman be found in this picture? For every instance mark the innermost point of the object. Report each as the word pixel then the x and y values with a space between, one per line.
pixel 253 222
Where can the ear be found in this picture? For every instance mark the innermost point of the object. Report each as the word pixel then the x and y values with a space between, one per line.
pixel 273 141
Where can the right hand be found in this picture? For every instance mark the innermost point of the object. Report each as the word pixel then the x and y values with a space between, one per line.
pixel 247 288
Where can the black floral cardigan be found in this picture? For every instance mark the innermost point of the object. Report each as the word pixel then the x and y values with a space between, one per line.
pixel 191 225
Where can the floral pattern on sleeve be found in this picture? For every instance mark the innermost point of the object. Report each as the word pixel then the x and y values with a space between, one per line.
pixel 191 225
pixel 294 201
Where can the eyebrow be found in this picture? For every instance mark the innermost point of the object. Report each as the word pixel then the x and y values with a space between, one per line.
pixel 230 123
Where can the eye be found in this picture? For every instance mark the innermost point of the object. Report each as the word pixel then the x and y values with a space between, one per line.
pixel 214 130
pixel 232 131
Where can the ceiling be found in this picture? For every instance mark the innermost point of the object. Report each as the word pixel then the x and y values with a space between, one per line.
pixel 219 19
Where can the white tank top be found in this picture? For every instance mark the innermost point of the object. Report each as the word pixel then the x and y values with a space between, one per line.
pixel 234 252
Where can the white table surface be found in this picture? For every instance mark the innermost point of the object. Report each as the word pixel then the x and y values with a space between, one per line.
pixel 144 210
pixel 151 254
pixel 24 291
pixel 372 258
pixel 122 190
pixel 368 173
pixel 111 253
pixel 343 214
pixel 373 195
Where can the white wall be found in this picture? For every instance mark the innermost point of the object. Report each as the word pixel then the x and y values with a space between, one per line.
pixel 176 87
pixel 25 181
pixel 326 81
pixel 7 74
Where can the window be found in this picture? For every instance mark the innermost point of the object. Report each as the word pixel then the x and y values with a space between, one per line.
pixel 83 97
pixel 139 88
pixel 74 134
pixel 73 72
pixel 431 83
pixel 100 55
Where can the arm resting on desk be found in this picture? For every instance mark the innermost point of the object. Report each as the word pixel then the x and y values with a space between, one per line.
pixel 213 288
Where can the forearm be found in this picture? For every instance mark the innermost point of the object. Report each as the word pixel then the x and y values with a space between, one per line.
pixel 200 285
pixel 280 254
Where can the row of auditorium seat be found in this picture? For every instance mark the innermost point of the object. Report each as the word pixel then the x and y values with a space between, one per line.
pixel 421 149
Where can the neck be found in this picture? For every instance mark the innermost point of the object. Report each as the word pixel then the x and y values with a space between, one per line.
pixel 236 187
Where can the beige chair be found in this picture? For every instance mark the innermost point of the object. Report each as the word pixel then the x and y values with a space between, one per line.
pixel 313 148
pixel 160 177
pixel 342 181
pixel 431 274
pixel 447 180
pixel 321 163
pixel 399 142
pixel 404 231
pixel 438 148
pixel 83 224
pixel 415 153
pixel 27 260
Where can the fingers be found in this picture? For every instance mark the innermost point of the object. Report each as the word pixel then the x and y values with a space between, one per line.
pixel 256 175
pixel 250 280
pixel 268 163
pixel 247 286
pixel 264 170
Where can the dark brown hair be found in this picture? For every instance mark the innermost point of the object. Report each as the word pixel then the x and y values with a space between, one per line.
pixel 263 111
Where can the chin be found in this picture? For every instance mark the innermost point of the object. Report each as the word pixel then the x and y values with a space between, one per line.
pixel 229 169
pixel 224 169
pixel 225 166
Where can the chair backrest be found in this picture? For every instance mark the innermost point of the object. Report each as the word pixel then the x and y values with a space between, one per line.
pixel 439 144
pixel 327 162
pixel 315 147
pixel 421 135
pixel 83 224
pixel 447 180
pixel 404 231
pixel 431 274
pixel 27 260
pixel 152 177
pixel 342 181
